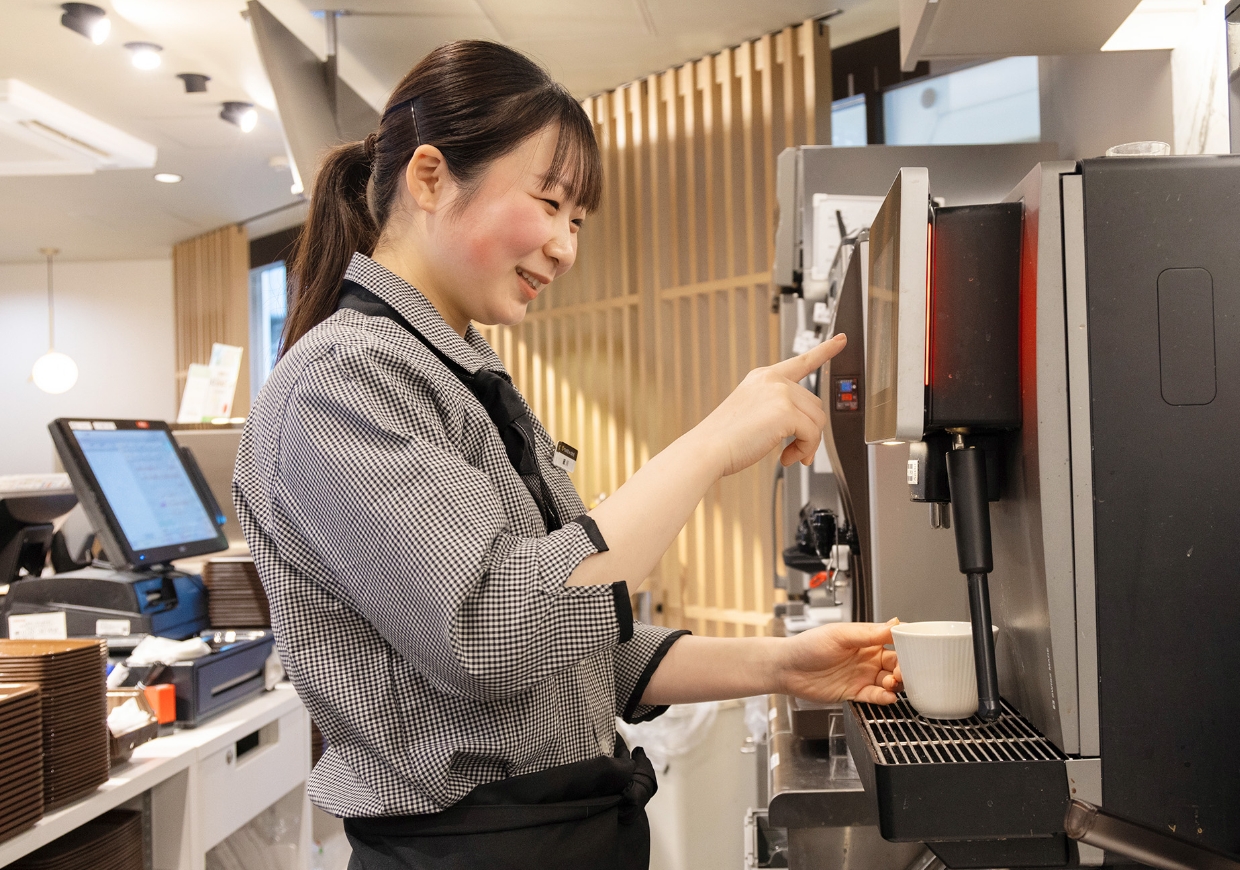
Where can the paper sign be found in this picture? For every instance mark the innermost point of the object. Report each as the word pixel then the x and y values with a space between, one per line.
pixel 225 367
pixel 193 400
pixel 210 389
pixel 38 626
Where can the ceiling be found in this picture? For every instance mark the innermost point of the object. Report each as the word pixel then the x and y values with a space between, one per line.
pixel 965 29
pixel 229 176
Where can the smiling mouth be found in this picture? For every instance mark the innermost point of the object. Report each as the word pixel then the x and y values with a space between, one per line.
pixel 532 284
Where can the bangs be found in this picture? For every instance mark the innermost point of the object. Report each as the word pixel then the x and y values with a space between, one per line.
pixel 576 166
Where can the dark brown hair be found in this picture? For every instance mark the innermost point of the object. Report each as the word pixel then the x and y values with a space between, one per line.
pixel 473 100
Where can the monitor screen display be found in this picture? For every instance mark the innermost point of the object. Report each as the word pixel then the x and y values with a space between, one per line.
pixel 145 483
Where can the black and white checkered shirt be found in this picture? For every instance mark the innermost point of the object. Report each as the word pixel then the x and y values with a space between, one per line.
pixel 418 602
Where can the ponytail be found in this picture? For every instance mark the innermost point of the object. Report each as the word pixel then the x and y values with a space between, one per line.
pixel 339 223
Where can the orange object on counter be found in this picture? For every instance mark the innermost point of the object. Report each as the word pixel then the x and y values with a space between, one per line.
pixel 163 699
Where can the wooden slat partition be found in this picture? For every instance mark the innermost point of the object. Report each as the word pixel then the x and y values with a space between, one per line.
pixel 669 304
pixel 211 302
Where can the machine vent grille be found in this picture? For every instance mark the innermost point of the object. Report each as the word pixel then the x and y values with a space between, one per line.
pixel 901 735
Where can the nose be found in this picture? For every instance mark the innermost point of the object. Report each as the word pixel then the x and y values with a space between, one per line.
pixel 561 248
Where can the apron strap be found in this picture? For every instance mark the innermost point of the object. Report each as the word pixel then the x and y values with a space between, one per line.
pixel 495 393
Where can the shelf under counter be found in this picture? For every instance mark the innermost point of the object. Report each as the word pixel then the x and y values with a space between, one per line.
pixel 194 765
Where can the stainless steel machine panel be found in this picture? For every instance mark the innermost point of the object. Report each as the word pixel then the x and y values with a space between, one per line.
pixel 1033 582
pixel 960 175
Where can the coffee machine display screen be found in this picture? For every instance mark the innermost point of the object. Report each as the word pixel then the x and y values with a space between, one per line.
pixel 896 325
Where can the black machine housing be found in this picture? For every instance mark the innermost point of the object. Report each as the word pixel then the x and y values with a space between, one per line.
pixel 1116 554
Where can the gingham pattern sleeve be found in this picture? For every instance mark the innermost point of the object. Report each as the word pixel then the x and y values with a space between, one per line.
pixel 636 662
pixel 420 544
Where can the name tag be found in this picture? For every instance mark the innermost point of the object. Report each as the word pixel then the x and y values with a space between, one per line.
pixel 565 457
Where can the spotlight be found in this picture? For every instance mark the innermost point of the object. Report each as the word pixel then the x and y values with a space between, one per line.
pixel 195 83
pixel 144 55
pixel 88 20
pixel 167 177
pixel 244 115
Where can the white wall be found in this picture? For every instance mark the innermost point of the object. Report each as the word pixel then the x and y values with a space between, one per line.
pixel 1093 101
pixel 114 318
pixel 1175 94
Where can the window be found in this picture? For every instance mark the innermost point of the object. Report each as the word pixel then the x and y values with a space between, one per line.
pixel 984 104
pixel 268 308
pixel 848 122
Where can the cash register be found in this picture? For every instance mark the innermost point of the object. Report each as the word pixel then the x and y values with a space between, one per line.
pixel 147 509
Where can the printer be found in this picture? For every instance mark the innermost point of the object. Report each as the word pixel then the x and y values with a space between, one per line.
pixel 148 505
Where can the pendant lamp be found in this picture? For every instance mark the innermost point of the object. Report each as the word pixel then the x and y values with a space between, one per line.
pixel 53 372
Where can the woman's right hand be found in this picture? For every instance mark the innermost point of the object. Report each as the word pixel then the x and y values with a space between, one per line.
pixel 767 407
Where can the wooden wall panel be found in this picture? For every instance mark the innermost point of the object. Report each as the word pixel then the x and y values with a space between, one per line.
pixel 211 302
pixel 669 305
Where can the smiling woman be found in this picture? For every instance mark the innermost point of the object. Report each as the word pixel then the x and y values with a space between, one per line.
pixel 464 106
pixel 457 623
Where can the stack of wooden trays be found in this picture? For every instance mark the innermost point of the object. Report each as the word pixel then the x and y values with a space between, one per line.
pixel 235 596
pixel 113 841
pixel 72 689
pixel 21 758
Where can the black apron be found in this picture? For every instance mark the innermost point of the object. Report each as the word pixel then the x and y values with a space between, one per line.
pixel 589 814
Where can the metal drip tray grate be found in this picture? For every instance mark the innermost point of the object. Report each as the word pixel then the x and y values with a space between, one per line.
pixel 902 736
pixel 964 779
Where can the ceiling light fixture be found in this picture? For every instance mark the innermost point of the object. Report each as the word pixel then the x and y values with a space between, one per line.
pixel 244 115
pixel 144 55
pixel 88 20
pixel 195 83
pixel 53 372
pixel 167 177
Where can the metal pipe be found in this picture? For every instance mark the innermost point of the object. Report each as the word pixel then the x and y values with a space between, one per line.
pixel 988 704
pixel 966 475
pixel 1095 827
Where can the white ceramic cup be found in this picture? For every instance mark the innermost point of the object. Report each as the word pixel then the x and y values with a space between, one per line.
pixel 936 662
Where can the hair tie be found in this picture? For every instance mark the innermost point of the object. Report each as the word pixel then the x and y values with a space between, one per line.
pixel 368 145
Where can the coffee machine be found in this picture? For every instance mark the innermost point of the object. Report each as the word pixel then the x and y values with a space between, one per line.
pixel 1111 503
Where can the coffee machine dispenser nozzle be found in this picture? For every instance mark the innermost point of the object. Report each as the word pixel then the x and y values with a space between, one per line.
pixel 966 471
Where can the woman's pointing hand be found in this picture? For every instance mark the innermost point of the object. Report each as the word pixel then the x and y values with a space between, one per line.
pixel 768 406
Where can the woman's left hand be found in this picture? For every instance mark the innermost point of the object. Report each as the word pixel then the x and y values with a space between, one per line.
pixel 842 661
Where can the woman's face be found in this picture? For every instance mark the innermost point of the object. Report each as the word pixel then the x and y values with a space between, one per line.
pixel 491 254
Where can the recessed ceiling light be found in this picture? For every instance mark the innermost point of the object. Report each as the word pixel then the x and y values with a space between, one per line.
pixel 167 177
pixel 144 55
pixel 195 83
pixel 88 20
pixel 244 115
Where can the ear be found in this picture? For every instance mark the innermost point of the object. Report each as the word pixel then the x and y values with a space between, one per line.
pixel 427 178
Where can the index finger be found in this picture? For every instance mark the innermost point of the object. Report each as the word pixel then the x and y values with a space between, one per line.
pixel 799 367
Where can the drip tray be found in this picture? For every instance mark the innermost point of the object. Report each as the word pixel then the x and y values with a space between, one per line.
pixel 957 780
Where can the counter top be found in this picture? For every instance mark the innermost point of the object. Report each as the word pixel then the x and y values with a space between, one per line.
pixel 813 783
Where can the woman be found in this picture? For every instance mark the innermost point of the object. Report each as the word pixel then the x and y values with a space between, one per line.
pixel 458 625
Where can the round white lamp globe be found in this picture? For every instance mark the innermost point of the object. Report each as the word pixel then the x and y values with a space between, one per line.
pixel 54 373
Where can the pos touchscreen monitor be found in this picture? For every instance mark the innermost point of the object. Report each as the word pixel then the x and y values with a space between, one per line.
pixel 136 490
